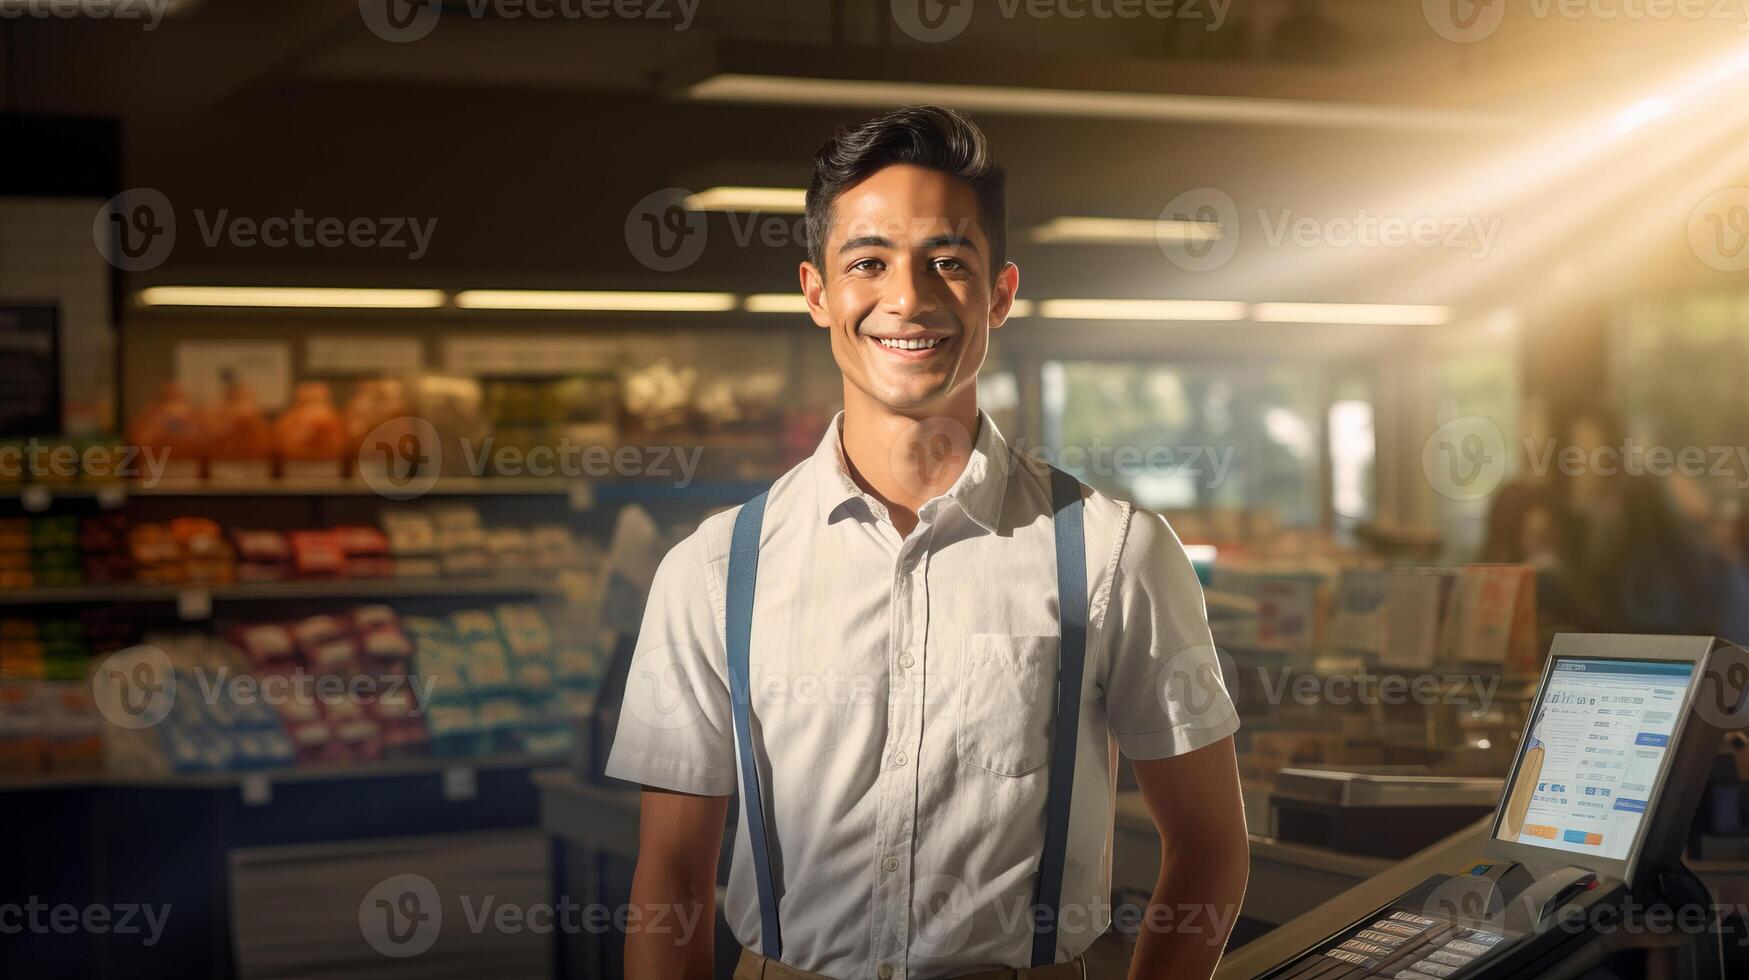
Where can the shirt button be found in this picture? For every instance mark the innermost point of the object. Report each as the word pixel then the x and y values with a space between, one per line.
pixel 899 760
pixel 891 864
pixel 885 972
pixel 905 660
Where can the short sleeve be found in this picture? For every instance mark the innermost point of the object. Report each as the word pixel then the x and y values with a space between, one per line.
pixel 675 728
pixel 1164 694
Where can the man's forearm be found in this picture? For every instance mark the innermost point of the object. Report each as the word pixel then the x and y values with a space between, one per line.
pixel 670 928
pixel 1191 913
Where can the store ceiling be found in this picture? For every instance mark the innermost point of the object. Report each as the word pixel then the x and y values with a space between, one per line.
pixel 531 141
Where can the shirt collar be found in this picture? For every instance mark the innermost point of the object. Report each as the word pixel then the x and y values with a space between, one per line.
pixel 978 491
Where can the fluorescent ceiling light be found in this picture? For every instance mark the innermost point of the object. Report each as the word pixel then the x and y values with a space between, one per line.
pixel 1370 313
pixel 1125 231
pixel 552 299
pixel 775 303
pixel 777 200
pixel 1141 309
pixel 1085 103
pixel 1021 307
pixel 292 296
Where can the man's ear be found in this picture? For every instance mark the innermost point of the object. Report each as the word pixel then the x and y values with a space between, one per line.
pixel 814 291
pixel 1002 297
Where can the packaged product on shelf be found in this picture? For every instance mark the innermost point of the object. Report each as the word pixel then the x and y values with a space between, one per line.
pixel 374 616
pixel 206 553
pixel 169 428
pixel 412 543
pixel 552 546
pixel 376 402
pixel 366 551
pixel 239 441
pixel 310 436
pixel 265 643
pixel 509 549
pixel 262 556
pixel 451 406
pixel 317 554
pixel 103 548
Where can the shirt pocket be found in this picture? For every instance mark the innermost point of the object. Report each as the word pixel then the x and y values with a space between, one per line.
pixel 1007 694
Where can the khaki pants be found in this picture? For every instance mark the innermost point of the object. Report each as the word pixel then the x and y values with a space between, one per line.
pixel 753 966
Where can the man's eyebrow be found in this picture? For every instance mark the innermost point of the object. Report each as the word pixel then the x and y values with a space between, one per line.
pixel 866 241
pixel 881 241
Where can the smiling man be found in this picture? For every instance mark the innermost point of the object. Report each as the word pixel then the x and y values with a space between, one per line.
pixel 915 657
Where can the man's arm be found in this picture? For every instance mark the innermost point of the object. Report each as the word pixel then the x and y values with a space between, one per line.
pixel 674 888
pixel 1205 858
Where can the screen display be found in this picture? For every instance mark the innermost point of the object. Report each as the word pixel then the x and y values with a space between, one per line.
pixel 1598 738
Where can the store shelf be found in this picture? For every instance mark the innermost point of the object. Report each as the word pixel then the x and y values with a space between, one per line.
pixel 385 769
pixel 733 491
pixel 377 588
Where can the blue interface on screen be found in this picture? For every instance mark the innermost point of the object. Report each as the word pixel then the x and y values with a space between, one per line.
pixel 1598 738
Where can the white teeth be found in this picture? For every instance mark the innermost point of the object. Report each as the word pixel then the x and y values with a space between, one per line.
pixel 913 344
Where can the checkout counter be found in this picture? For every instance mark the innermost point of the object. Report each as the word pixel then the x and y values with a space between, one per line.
pixel 1617 749
pixel 1578 872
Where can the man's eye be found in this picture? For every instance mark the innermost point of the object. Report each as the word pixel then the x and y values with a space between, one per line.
pixel 950 265
pixel 866 265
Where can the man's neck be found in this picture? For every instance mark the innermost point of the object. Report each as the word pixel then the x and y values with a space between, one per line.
pixel 905 461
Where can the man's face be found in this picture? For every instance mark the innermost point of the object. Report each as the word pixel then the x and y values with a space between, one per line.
pixel 906 288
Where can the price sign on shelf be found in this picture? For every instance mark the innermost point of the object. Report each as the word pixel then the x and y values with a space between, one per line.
pixel 460 783
pixel 35 497
pixel 194 604
pixel 257 789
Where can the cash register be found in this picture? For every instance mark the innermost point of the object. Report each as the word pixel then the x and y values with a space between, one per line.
pixel 1589 828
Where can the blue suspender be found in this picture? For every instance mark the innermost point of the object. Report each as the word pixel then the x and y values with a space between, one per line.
pixel 1071 651
pixel 1072 622
pixel 738 623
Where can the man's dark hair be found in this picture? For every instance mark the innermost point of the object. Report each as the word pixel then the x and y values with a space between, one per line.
pixel 920 135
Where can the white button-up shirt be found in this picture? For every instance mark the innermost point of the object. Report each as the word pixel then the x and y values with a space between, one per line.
pixel 902 702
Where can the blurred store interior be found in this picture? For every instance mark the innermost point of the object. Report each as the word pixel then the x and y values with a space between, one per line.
pixel 1429 336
